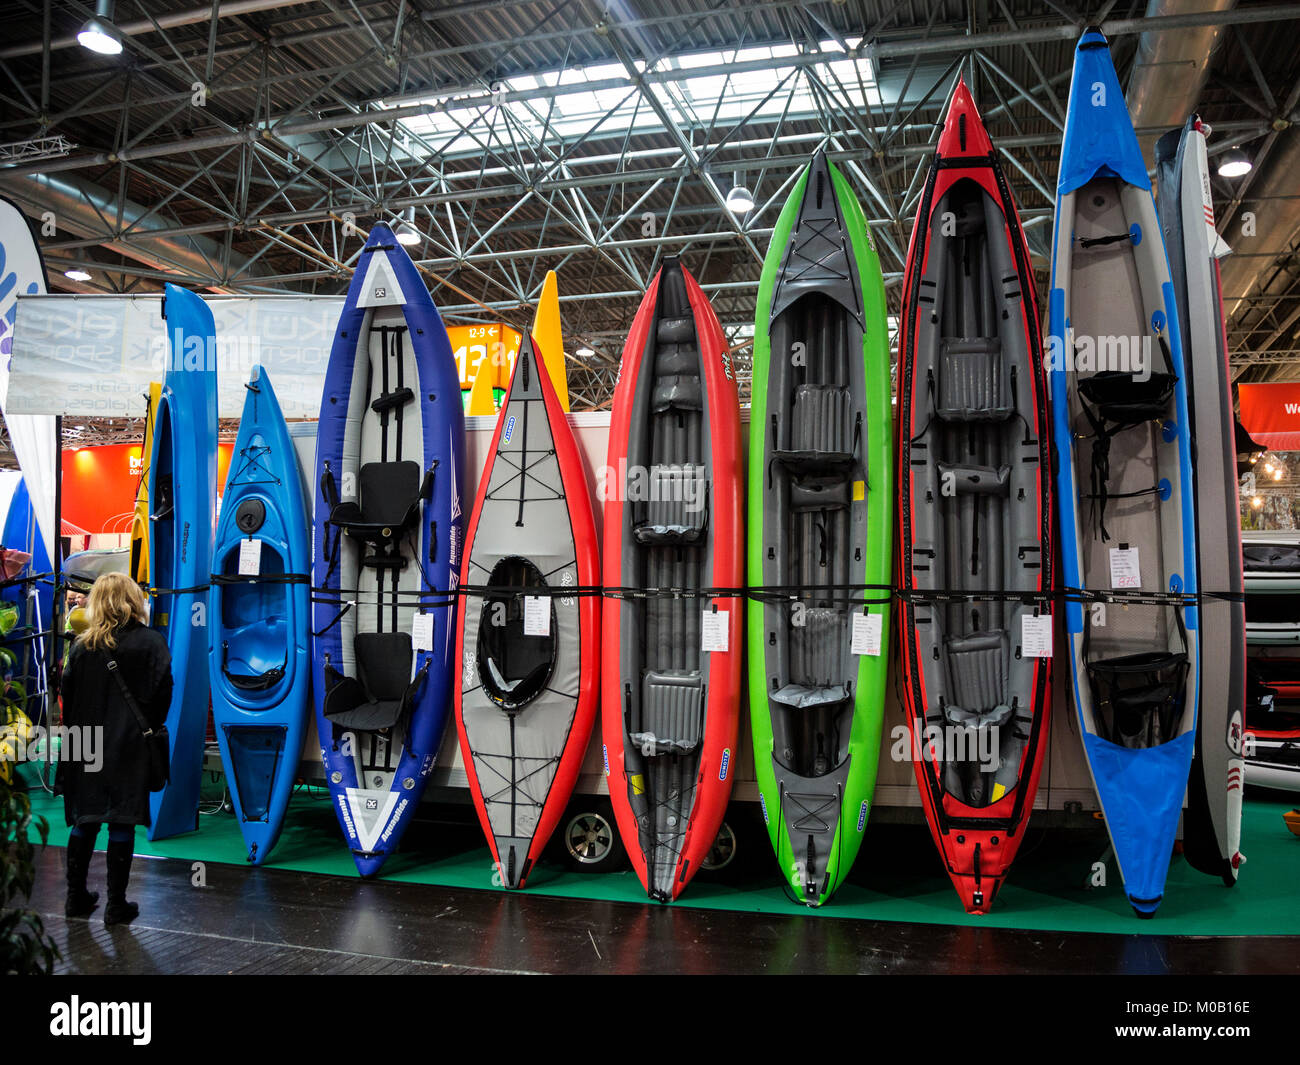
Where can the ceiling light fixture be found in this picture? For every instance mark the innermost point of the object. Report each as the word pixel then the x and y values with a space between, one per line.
pixel 406 232
pixel 1234 163
pixel 98 34
pixel 76 274
pixel 739 200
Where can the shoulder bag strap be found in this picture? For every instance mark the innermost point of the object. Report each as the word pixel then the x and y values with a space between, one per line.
pixel 129 699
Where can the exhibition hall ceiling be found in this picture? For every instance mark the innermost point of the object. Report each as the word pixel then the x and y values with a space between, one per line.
pixel 594 137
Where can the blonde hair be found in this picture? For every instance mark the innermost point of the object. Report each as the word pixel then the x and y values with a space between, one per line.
pixel 114 600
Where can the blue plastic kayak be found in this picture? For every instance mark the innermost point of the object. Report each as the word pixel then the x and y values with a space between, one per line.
pixel 24 641
pixel 387 540
pixel 258 658
pixel 182 500
pixel 1120 427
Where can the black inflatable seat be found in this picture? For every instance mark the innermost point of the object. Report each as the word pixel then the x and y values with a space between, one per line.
pixel 967 479
pixel 978 671
pixel 822 430
pixel 970 381
pixel 816 658
pixel 1126 400
pixel 1138 699
pixel 677 511
pixel 672 710
pixel 677 392
pixel 818 493
pixel 388 501
pixel 382 690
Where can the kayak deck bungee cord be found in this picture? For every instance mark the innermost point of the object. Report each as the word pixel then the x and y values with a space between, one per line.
pixel 386 549
pixel 673 519
pixel 259 661
pixel 820 509
pixel 975 510
pixel 527 700
pixel 1124 477
pixel 182 494
pixel 1212 821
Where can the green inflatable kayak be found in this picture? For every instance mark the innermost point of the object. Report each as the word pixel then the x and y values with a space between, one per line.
pixel 820 505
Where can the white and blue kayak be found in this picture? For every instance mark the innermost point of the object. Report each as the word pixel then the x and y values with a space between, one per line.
pixel 387 538
pixel 182 501
pixel 1120 424
pixel 1212 824
pixel 258 657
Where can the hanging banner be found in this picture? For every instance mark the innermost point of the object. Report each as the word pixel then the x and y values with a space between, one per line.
pixel 99 485
pixel 94 356
pixel 1271 414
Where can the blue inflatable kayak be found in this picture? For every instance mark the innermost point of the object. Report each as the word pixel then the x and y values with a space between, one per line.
pixel 1128 542
pixel 258 659
pixel 32 595
pixel 386 549
pixel 182 499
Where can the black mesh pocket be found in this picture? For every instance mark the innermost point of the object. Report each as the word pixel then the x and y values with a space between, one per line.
pixel 1121 398
pixel 1138 699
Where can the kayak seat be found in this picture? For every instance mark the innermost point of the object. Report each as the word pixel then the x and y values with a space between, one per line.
pixel 388 501
pixel 971 480
pixel 970 380
pixel 1124 399
pixel 1138 699
pixel 818 493
pixel 822 429
pixel 978 670
pixel 816 649
pixel 672 703
pixel 513 667
pixel 677 511
pixel 244 659
pixel 677 392
pixel 382 691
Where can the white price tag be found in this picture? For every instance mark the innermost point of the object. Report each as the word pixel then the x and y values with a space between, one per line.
pixel 867 630
pixel 1125 571
pixel 537 615
pixel 1036 636
pixel 250 557
pixel 422 632
pixel 713 630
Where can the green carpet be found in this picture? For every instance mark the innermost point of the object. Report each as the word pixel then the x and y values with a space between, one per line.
pixel 897 876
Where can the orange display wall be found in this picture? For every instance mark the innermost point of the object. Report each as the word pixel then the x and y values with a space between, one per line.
pixel 99 486
pixel 495 342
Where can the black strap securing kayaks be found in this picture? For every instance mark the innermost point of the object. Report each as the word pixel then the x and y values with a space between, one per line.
pixel 155 592
pixel 261 578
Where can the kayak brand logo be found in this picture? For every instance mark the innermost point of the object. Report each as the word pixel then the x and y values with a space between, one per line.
pixel 726 761
pixel 977 743
pixel 112 1019
pixel 1095 354
pixel 509 431
pixel 683 484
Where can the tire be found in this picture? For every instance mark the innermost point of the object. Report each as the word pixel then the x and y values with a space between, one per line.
pixel 588 840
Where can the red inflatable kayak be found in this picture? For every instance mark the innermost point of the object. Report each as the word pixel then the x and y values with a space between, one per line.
pixel 673 520
pixel 529 654
pixel 975 512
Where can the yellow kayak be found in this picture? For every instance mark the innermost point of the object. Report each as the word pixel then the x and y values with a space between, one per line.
pixel 549 338
pixel 140 519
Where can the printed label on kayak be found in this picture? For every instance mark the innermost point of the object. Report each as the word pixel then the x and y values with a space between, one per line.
pixel 713 630
pixel 1125 567
pixel 604 751
pixel 510 430
pixel 1036 635
pixel 250 557
pixel 422 632
pixel 537 615
pixel 762 802
pixel 862 816
pixel 726 761
pixel 867 630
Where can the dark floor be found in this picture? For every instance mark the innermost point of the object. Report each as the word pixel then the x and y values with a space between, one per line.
pixel 276 922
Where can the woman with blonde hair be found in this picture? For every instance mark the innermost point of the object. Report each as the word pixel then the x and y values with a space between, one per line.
pixel 114 790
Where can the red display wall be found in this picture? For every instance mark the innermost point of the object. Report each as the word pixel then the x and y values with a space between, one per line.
pixel 99 486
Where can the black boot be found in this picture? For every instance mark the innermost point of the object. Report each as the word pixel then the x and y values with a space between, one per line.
pixel 118 910
pixel 80 901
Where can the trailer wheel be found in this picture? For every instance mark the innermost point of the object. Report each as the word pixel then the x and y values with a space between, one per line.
pixel 589 839
pixel 723 851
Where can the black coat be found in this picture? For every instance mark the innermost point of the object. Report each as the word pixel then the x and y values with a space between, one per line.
pixel 118 793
